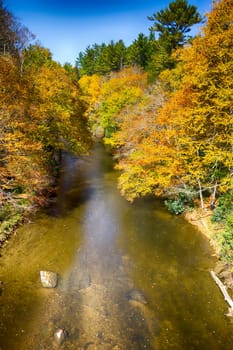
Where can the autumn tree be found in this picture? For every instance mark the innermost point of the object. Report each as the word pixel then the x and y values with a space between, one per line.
pixel 188 147
pixel 41 112
pixel 21 165
pixel 41 115
pixel 55 105
pixel 121 90
pixel 135 152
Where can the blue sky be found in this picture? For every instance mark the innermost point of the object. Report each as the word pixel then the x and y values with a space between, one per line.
pixel 68 27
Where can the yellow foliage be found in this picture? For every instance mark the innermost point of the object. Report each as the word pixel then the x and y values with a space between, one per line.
pixel 188 141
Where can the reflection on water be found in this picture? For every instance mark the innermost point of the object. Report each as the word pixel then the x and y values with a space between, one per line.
pixel 131 276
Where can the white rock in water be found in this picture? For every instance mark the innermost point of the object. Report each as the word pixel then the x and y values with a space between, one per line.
pixel 60 335
pixel 48 279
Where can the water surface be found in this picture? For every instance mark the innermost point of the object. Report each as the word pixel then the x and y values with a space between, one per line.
pixel 131 276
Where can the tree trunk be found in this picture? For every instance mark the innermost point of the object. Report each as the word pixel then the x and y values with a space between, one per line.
pixel 214 196
pixel 200 194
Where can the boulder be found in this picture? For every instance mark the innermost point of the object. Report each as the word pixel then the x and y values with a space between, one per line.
pixel 48 279
pixel 60 335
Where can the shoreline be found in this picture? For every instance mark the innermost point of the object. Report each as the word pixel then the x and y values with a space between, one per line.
pixel 201 219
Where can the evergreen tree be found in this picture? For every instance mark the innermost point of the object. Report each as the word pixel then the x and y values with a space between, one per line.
pixel 86 61
pixel 102 59
pixel 140 51
pixel 174 23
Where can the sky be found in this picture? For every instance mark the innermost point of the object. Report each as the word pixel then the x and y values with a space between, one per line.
pixel 67 27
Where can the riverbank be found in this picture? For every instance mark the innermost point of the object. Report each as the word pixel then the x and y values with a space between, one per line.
pixel 16 210
pixel 202 220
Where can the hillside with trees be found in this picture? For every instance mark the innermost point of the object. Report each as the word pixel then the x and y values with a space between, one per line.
pixel 171 127
pixel 163 105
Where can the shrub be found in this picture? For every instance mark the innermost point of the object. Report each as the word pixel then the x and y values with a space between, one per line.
pixel 180 204
pixel 226 239
pixel 224 208
pixel 5 212
pixel 175 206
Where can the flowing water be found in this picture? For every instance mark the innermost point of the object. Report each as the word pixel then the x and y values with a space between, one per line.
pixel 131 276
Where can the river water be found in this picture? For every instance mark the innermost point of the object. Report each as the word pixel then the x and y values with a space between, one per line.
pixel 131 276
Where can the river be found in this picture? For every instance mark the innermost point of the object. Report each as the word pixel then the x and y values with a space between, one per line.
pixel 131 276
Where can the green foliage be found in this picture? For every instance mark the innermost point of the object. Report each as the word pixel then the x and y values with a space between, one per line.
pixel 154 55
pixel 180 204
pixel 18 189
pixel 10 216
pixel 224 208
pixel 140 52
pixel 174 22
pixel 175 206
pixel 102 59
pixel 160 61
pixel 224 215
pixel 5 212
pixel 226 241
pixel 7 225
pixel 34 57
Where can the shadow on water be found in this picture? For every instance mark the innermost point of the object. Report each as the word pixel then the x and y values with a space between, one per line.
pixel 78 179
pixel 131 277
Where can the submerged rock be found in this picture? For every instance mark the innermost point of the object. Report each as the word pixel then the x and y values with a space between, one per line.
pixel 84 282
pixel 136 295
pixel 60 335
pixel 48 279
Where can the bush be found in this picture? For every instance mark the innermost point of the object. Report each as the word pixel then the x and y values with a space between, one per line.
pixel 224 208
pixel 175 206
pixel 179 205
pixel 226 240
pixel 224 213
pixel 8 225
pixel 5 212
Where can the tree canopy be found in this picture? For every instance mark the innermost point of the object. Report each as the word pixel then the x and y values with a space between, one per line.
pixel 174 22
pixel 175 136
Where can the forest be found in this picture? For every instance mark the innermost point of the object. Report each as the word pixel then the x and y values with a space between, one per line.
pixel 162 105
